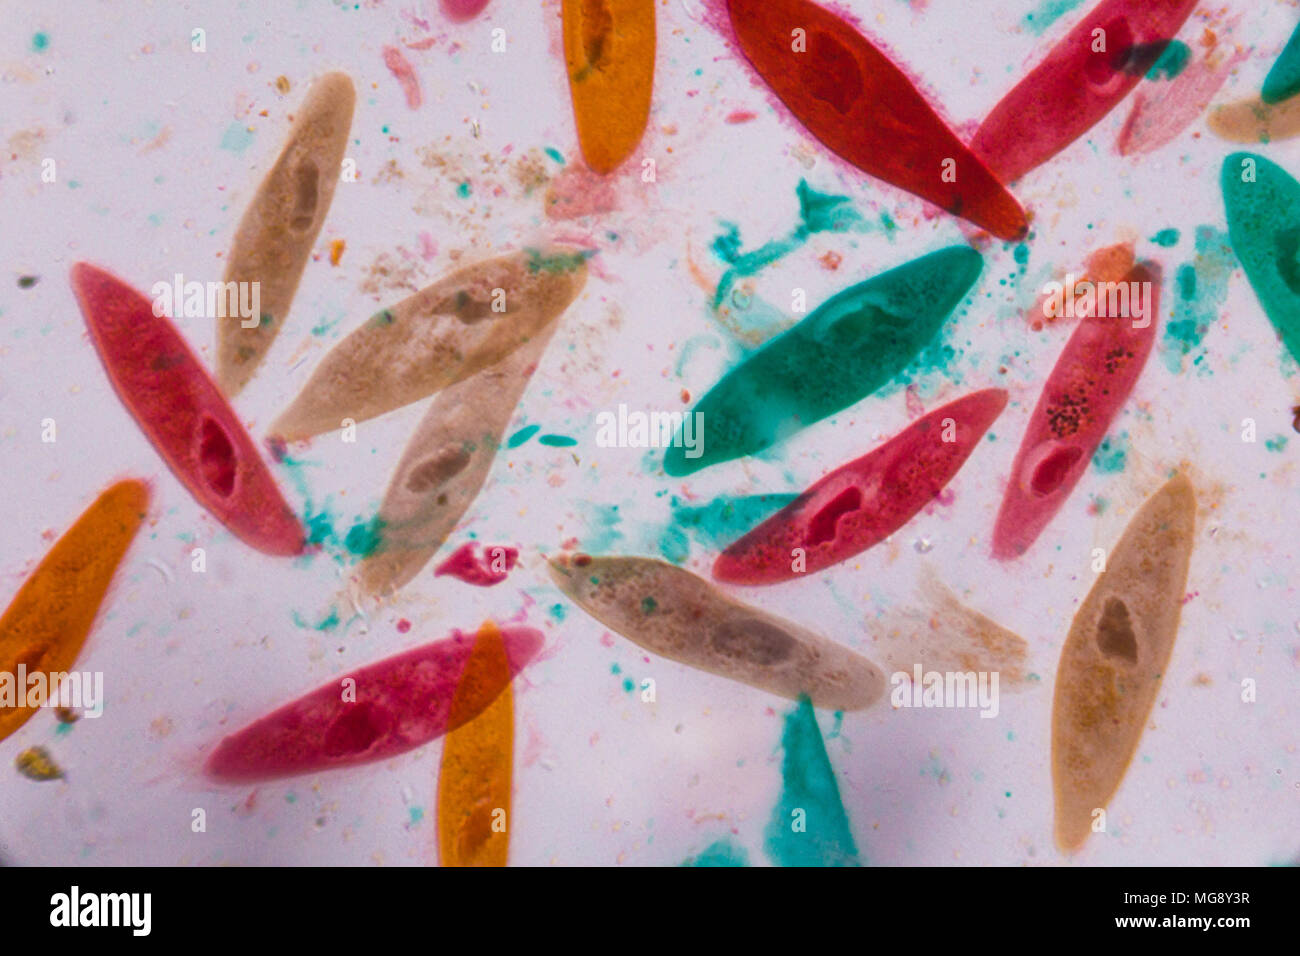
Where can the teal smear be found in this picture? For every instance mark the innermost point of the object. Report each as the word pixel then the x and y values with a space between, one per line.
pixel 329 622
pixel 1046 13
pixel 554 153
pixel 559 262
pixel 325 325
pixel 1172 61
pixel 361 539
pixel 463 190
pixel 40 41
pixel 521 436
pixel 1168 238
pixel 809 785
pixel 602 528
pixel 558 441
pixel 1276 443
pixel 674 545
pixel 1201 289
pixel 720 853
pixel 237 138
pixel 724 519
pixel 1112 454
pixel 1283 80
pixel 818 212
pixel 715 524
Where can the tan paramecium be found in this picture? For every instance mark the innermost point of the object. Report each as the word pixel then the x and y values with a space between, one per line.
pixel 444 465
pixel 1114 657
pixel 446 332
pixel 274 239
pixel 677 615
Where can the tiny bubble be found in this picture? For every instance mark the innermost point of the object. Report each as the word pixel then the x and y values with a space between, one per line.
pixel 923 545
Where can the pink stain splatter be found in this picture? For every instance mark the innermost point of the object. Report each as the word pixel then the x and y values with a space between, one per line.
pixel 401 68
pixel 579 192
pixel 493 568
pixel 740 116
pixel 912 398
pixel 428 248
pixel 459 11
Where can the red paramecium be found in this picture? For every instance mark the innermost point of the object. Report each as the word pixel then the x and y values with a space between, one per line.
pixel 1080 80
pixel 1089 385
pixel 390 707
pixel 183 413
pixel 865 501
pixel 862 107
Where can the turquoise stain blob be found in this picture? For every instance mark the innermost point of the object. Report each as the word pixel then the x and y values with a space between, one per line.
pixel 1263 206
pixel 720 853
pixel 818 212
pixel 1172 61
pixel 808 786
pixel 521 436
pixel 1200 290
pixel 849 347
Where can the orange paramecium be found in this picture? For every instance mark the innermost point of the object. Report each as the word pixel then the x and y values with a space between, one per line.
pixel 48 622
pixel 609 51
pixel 477 758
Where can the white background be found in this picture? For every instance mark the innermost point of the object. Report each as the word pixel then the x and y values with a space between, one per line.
pixel 137 120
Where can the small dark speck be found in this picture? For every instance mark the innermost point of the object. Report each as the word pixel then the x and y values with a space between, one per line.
pixel 26 282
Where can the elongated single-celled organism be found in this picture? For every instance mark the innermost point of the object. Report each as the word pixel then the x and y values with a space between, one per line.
pixel 1263 207
pixel 1161 111
pixel 946 636
pixel 477 762
pixel 1116 653
pixel 864 501
pixel 444 466
pixel 1080 80
pixel 1283 80
pixel 673 613
pixel 183 413
pixel 609 51
pixel 275 237
pixel 851 345
pixel 1084 393
pixel 1254 121
pixel 444 333
pixel 48 621
pixel 379 711
pixel 863 108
